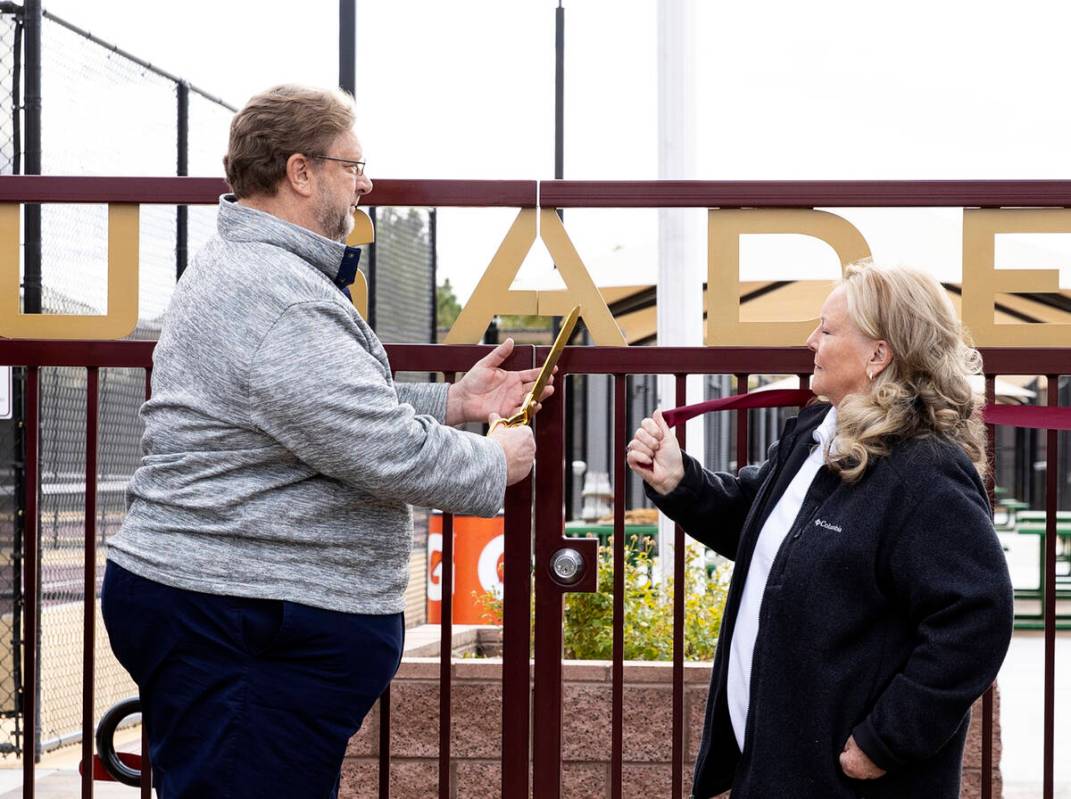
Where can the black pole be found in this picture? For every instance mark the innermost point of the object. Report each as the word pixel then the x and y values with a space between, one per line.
pixel 182 92
pixel 433 235
pixel 31 12
pixel 371 274
pixel 559 93
pixel 347 45
pixel 578 384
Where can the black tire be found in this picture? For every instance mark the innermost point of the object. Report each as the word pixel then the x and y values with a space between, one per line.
pixel 109 722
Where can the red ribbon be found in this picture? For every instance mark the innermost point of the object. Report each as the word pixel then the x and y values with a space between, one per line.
pixel 1038 417
pixel 776 398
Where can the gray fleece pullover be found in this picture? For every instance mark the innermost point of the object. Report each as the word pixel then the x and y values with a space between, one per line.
pixel 280 457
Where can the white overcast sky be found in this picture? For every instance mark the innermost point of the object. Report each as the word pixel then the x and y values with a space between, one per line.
pixel 783 90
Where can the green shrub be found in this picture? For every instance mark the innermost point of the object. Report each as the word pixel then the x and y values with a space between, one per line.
pixel 648 632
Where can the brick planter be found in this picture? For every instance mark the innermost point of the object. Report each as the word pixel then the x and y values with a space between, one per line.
pixel 476 733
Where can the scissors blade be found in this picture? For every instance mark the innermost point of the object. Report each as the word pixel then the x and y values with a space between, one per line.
pixel 555 353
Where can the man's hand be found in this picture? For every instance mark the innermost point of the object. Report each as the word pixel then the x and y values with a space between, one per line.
pixel 855 763
pixel 519 445
pixel 486 388
pixel 653 454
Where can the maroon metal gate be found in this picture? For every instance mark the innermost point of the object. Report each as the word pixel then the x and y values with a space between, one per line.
pixel 740 363
pixel 531 739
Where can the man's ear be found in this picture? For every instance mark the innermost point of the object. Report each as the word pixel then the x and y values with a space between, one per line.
pixel 299 174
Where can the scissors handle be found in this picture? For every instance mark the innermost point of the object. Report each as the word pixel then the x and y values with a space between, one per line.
pixel 519 419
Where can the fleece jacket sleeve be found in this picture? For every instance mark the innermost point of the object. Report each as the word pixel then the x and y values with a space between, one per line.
pixel 948 572
pixel 427 399
pixel 713 506
pixel 328 400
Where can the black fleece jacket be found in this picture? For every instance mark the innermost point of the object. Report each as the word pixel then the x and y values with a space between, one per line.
pixel 887 613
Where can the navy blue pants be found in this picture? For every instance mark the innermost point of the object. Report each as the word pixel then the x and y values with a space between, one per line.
pixel 246 697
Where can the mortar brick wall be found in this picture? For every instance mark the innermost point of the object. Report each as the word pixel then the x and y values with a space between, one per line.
pixel 475 735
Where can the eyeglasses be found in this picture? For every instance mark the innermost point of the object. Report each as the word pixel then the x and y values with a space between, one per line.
pixel 356 168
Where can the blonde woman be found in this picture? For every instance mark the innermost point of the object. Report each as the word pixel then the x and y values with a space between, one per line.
pixel 870 603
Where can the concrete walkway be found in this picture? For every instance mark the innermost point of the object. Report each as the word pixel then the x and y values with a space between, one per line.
pixel 1022 717
pixel 57 774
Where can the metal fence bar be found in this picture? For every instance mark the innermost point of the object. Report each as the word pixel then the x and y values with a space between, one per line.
pixel 89 597
pixel 803 193
pixel 741 423
pixel 384 744
pixel 618 652
pixel 146 760
pixel 987 698
pixel 446 645
pixel 547 710
pixel 516 643
pixel 446 650
pixel 31 604
pixel 206 191
pixel 679 589
pixel 577 194
pixel 1051 488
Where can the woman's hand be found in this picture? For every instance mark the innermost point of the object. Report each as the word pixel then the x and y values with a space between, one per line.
pixel 653 454
pixel 855 763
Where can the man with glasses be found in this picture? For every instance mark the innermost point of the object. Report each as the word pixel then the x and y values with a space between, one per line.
pixel 255 591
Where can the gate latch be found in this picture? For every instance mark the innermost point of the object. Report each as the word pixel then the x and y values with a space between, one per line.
pixel 567 566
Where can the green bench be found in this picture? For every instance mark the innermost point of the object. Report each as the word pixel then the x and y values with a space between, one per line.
pixel 1033 522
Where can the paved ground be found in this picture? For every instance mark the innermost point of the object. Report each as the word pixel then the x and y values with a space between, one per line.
pixel 1021 680
pixel 58 778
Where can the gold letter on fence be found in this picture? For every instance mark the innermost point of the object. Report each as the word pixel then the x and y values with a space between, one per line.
pixel 122 316
pixel 493 295
pixel 363 233
pixel 725 227
pixel 983 282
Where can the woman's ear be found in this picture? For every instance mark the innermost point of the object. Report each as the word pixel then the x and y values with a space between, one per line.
pixel 880 357
pixel 297 174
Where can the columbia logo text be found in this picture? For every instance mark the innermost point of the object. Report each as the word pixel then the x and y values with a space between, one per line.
pixel 823 523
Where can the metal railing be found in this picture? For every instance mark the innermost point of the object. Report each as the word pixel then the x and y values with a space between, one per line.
pixel 542 729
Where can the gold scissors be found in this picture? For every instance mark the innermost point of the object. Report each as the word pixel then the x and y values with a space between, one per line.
pixel 531 399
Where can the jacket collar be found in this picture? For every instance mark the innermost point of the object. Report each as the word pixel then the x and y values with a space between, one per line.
pixel 244 224
pixel 804 424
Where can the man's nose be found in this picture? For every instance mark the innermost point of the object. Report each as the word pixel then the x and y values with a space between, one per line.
pixel 364 185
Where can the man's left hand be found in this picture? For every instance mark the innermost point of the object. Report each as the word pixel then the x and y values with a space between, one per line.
pixel 855 763
pixel 487 388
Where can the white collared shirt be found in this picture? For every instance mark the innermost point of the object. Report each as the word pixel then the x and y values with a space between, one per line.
pixel 773 533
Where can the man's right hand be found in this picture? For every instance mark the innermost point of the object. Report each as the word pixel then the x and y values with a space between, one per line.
pixel 519 445
pixel 654 454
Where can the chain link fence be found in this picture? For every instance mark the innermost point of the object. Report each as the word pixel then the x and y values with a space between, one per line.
pixel 10 412
pixel 10 34
pixel 400 267
pixel 103 112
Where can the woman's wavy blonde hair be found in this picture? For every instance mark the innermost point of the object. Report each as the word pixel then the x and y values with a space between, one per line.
pixel 925 390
